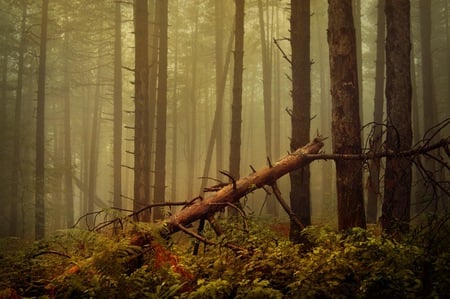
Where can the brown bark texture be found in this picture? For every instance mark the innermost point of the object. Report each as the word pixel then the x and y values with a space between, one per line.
pixel 141 142
pixel 397 179
pixel 345 112
pixel 301 110
pixel 234 191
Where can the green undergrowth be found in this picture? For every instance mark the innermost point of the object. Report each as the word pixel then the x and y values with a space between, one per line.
pixel 133 264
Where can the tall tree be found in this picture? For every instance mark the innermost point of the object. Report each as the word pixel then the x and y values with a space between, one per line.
pixel 301 111
pixel 193 94
pixel 236 106
pixel 219 35
pixel 397 178
pixel 373 180
pixel 345 112
pixel 266 57
pixel 117 146
pixel 141 142
pixel 358 36
pixel 94 144
pixel 39 225
pixel 16 161
pixel 267 81
pixel 161 111
pixel 68 187
pixel 152 85
pixel 429 111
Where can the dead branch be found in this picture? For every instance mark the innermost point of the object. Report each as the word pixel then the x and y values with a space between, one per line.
pixel 238 189
pixel 202 239
pixel 443 143
pixel 292 216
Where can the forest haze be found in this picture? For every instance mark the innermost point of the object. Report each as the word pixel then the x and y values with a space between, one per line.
pixel 118 105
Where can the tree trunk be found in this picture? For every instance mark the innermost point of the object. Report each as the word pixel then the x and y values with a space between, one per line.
pixel 192 114
pixel 174 165
pixel 39 224
pixel 277 94
pixel 373 181
pixel 220 80
pixel 300 195
pixel 117 130
pixel 267 82
pixel 94 145
pixel 345 113
pixel 217 117
pixel 141 142
pixel 16 158
pixel 152 89
pixel 68 187
pixel 236 106
pixel 232 192
pixel 161 112
pixel 397 178
pixel 429 105
pixel 358 39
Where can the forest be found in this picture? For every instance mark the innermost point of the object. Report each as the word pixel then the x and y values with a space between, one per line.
pixel 224 149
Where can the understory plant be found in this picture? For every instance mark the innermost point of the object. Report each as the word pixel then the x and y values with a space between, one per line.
pixel 135 263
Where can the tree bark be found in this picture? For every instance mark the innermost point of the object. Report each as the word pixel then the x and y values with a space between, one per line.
pixel 68 186
pixel 192 114
pixel 17 151
pixel 234 191
pixel 345 113
pixel 221 77
pixel 161 112
pixel 397 179
pixel 373 180
pixel 117 129
pixel 40 129
pixel 300 195
pixel 141 142
pixel 236 106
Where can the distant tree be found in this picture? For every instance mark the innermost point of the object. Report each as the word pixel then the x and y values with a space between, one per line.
pixel 220 78
pixel 40 129
pixel 117 144
pixel 141 142
pixel 17 150
pixel 266 60
pixel 68 187
pixel 161 111
pixel 300 194
pixel 267 80
pixel 373 180
pixel 192 115
pixel 397 179
pixel 345 113
pixel 94 144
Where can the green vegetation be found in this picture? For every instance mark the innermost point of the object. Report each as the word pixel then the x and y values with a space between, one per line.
pixel 134 264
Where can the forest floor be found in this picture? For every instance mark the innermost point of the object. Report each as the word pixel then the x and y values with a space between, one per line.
pixel 134 263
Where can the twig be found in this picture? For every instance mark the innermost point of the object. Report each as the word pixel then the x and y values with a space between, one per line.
pixel 230 177
pixel 51 252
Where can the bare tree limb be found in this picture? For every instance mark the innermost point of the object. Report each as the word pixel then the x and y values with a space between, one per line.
pixel 238 189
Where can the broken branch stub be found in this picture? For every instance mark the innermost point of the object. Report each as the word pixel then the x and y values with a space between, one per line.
pixel 243 186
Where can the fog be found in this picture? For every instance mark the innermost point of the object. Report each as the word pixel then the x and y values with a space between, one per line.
pixel 80 96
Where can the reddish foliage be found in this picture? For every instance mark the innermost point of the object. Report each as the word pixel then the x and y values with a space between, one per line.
pixel 281 229
pixel 9 293
pixel 164 257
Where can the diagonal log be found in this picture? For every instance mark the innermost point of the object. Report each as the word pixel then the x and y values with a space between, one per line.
pixel 233 192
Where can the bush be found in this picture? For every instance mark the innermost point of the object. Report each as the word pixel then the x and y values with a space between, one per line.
pixel 353 264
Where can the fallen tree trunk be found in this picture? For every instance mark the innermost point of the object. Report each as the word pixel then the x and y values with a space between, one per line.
pixel 232 192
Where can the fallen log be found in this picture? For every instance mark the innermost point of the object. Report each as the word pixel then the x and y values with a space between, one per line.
pixel 232 192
